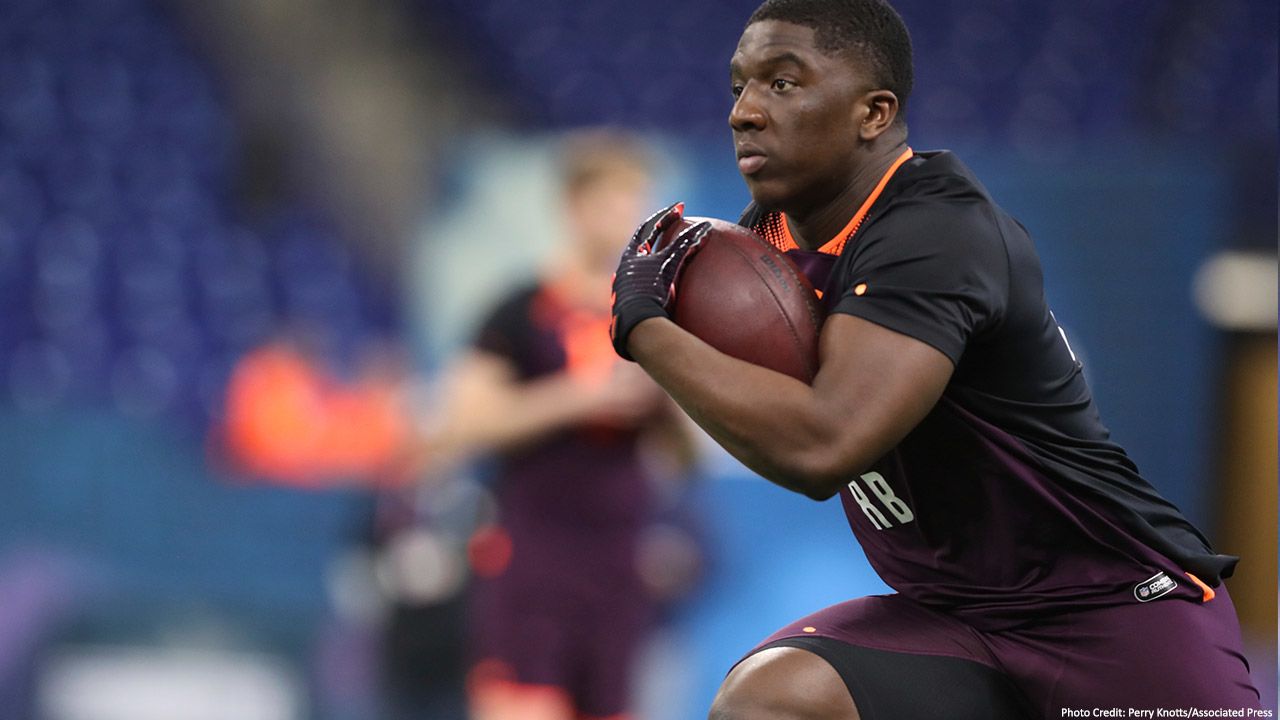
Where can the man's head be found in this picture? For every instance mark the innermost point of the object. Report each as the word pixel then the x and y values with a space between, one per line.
pixel 870 33
pixel 819 87
pixel 606 178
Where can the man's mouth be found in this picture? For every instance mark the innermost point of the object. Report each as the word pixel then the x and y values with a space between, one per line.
pixel 750 159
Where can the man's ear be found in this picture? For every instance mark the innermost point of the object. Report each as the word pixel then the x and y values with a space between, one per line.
pixel 878 110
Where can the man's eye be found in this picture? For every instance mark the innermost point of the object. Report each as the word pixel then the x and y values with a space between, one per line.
pixel 781 84
pixel 735 90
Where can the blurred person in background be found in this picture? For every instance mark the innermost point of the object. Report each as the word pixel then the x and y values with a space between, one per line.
pixel 293 420
pixel 566 575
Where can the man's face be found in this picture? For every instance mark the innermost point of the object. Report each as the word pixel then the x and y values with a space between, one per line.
pixel 795 116
pixel 604 214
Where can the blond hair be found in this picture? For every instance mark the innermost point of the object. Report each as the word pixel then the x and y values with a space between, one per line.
pixel 591 156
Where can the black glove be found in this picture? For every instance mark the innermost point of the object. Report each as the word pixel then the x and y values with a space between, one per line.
pixel 645 284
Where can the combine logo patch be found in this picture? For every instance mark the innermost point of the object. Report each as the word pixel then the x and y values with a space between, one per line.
pixel 1157 586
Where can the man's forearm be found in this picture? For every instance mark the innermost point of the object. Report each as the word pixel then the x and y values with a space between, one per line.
pixel 498 419
pixel 772 423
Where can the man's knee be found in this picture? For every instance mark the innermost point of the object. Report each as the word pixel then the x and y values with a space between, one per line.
pixel 783 683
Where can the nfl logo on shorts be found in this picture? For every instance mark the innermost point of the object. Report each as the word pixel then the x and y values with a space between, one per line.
pixel 1156 586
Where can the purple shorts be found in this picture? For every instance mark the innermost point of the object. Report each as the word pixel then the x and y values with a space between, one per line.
pixel 582 648
pixel 1168 654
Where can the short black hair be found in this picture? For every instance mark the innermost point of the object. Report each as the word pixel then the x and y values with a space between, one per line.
pixel 871 30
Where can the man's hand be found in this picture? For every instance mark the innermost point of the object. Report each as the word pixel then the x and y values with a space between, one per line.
pixel 645 282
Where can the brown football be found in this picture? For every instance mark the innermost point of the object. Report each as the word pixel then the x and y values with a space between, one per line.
pixel 743 297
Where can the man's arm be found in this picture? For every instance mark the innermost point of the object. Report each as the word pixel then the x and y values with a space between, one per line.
pixel 873 386
pixel 486 408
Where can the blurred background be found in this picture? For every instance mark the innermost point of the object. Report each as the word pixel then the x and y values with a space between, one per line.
pixel 303 207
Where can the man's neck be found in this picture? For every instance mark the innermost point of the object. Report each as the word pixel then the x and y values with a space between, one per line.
pixel 813 228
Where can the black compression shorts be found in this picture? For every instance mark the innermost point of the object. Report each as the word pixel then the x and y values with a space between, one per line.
pixel 941 686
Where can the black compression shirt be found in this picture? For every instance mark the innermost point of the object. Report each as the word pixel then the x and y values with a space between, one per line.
pixel 1009 499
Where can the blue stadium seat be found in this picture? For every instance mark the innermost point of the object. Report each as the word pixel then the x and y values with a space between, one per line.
pixel 1026 66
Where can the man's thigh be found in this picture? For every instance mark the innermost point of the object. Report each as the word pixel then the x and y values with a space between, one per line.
pixel 1165 654
pixel 900 660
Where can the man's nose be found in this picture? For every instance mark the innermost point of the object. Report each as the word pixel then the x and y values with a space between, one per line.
pixel 746 113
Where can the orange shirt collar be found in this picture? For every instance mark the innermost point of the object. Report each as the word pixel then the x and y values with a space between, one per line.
pixel 836 244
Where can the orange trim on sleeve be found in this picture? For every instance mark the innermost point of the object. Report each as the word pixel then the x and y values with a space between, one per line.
pixel 836 244
pixel 1208 593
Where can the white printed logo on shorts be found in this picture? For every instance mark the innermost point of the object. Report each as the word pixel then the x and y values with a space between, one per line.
pixel 1156 586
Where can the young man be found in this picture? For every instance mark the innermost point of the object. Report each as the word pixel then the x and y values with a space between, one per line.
pixel 1036 571
pixel 560 606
